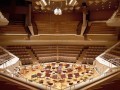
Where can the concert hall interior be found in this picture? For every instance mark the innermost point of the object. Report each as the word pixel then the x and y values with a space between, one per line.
pixel 59 44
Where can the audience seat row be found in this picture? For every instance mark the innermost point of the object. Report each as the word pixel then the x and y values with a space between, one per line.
pixel 113 55
pixel 21 52
pixel 92 52
pixel 59 51
pixel 4 56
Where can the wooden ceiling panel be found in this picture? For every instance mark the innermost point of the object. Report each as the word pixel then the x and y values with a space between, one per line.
pixel 52 17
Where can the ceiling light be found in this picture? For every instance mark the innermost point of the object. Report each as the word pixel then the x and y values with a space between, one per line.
pixel 72 2
pixel 37 3
pixel 43 2
pixel 36 7
pixel 77 8
pixel 57 11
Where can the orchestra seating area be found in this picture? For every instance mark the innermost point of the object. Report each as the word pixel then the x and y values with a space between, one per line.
pixel 21 52
pixel 4 56
pixel 45 53
pixel 59 53
pixel 14 28
pixel 63 67
pixel 91 52
pixel 63 53
pixel 59 44
pixel 113 55
pixel 69 53
pixel 59 75
pixel 45 27
pixel 115 51
pixel 101 28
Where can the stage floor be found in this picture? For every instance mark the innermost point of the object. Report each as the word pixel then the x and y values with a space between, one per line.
pixel 58 75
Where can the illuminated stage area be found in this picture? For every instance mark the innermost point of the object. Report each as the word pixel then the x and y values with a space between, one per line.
pixel 58 67
pixel 58 75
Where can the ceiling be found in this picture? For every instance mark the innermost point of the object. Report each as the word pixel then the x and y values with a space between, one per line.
pixel 17 9
pixel 92 5
pixel 27 11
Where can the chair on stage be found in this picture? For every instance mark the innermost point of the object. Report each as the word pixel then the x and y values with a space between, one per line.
pixel 53 64
pixel 70 76
pixel 48 67
pixel 47 74
pixel 69 70
pixel 54 76
pixel 33 69
pixel 41 81
pixel 63 76
pixel 67 65
pixel 39 74
pixel 47 71
pixel 33 77
pixel 70 83
pixel 60 64
pixel 79 68
pixel 50 83
pixel 76 75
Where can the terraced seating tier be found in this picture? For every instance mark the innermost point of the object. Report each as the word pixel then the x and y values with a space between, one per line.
pixel 22 53
pixel 13 29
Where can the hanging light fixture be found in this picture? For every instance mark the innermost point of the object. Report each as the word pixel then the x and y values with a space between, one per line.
pixel 57 11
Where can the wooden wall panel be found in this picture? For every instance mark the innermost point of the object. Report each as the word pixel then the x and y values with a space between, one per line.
pixel 100 15
pixel 52 17
pixel 21 10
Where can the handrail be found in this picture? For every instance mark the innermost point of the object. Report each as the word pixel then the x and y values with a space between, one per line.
pixel 94 81
pixel 35 86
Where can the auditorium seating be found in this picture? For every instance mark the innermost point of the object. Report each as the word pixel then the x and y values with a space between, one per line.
pixel 101 28
pixel 21 52
pixel 45 27
pixel 44 53
pixel 91 52
pixel 14 28
pixel 4 56
pixel 61 53
pixel 113 55
pixel 115 51
pixel 68 53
